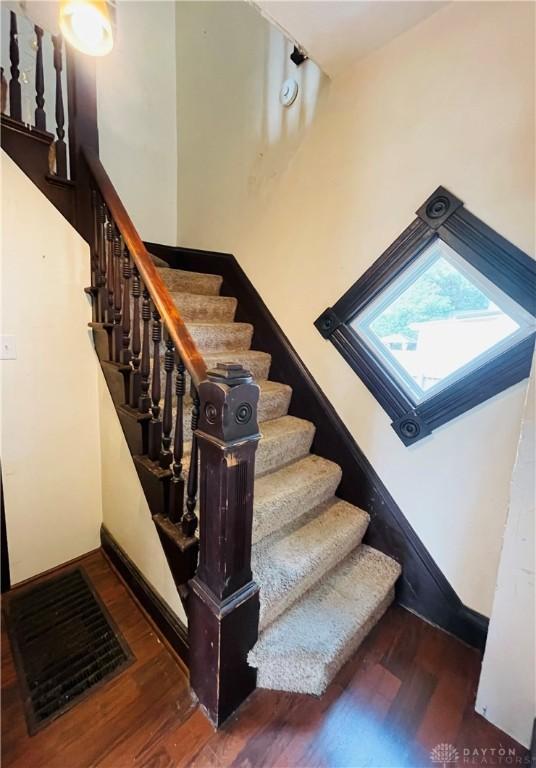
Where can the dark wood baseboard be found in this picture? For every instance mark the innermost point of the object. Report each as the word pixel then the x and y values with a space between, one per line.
pixel 169 625
pixel 422 588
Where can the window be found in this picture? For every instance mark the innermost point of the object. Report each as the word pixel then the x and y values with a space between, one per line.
pixel 442 321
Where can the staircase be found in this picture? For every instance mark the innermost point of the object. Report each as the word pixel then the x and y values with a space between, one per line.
pixel 278 588
pixel 321 589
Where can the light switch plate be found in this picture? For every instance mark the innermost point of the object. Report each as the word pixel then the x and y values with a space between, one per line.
pixel 8 348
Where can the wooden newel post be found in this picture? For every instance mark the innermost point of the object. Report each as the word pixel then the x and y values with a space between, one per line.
pixel 224 600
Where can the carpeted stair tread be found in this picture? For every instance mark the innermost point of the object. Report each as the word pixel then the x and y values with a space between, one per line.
pixel 195 307
pixel 304 648
pixel 286 495
pixel 221 337
pixel 274 400
pixel 290 561
pixel 178 280
pixel 283 440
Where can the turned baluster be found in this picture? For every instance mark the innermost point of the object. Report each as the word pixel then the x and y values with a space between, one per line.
pixel 124 356
pixel 15 104
pixel 189 520
pixel 109 229
pixel 101 261
pixel 155 425
pixel 176 489
pixel 135 376
pixel 166 457
pixel 40 116
pixel 117 332
pixel 144 401
pixel 61 149
pixel 3 91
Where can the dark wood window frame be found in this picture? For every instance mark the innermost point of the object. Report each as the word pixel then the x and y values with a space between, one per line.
pixel 442 216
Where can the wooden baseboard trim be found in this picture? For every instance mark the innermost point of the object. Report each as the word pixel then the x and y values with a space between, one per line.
pixel 167 623
pixel 423 588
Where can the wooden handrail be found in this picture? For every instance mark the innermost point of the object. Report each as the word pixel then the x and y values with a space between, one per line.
pixel 169 314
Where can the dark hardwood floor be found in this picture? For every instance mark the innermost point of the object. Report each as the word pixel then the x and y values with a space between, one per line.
pixel 409 688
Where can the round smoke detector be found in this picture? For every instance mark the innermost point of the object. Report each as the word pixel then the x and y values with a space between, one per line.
pixel 288 92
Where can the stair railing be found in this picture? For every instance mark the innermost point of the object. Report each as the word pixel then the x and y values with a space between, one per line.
pixel 131 301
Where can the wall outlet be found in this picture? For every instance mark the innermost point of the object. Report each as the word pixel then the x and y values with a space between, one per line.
pixel 8 348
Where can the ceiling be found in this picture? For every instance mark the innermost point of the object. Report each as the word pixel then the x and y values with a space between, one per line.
pixel 337 33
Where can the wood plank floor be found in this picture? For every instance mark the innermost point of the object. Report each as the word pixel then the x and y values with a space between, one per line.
pixel 409 688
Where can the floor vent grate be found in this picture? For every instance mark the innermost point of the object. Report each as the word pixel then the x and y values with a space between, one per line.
pixel 64 643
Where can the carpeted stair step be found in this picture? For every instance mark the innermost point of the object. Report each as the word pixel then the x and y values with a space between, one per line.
pixel 195 307
pixel 178 280
pixel 282 441
pixel 274 400
pixel 221 337
pixel 305 647
pixel 290 561
pixel 286 495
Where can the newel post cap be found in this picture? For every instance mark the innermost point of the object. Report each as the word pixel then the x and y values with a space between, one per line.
pixel 228 403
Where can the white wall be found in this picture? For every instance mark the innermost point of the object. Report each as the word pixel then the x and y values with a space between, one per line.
pixel 449 102
pixel 136 102
pixel 48 395
pixel 235 139
pixel 125 510
pixel 507 691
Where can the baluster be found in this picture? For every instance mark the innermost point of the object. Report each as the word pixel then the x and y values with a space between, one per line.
pixel 117 332
pixel 61 149
pixel 101 260
pixel 135 376
pixel 166 457
pixel 189 521
pixel 40 116
pixel 176 491
pixel 15 107
pixel 109 269
pixel 124 356
pixel 144 401
pixel 155 425
pixel 3 91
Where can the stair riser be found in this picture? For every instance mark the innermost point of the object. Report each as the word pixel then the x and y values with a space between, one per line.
pixel 314 678
pixel 270 517
pixel 270 407
pixel 339 546
pixel 219 338
pixel 272 454
pixel 205 309
pixel 177 281
pixel 195 308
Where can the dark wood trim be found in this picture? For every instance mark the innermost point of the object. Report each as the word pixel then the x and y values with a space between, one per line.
pixel 4 553
pixel 532 747
pixel 422 587
pixel 168 624
pixel 443 217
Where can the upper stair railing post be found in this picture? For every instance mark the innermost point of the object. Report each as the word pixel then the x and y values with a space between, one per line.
pixel 83 132
pixel 224 599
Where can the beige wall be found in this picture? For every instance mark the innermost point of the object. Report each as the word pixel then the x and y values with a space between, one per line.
pixel 449 102
pixel 136 100
pixel 507 691
pixel 125 510
pixel 49 407
pixel 235 139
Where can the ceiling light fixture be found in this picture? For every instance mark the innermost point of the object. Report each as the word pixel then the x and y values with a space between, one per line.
pixel 88 25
